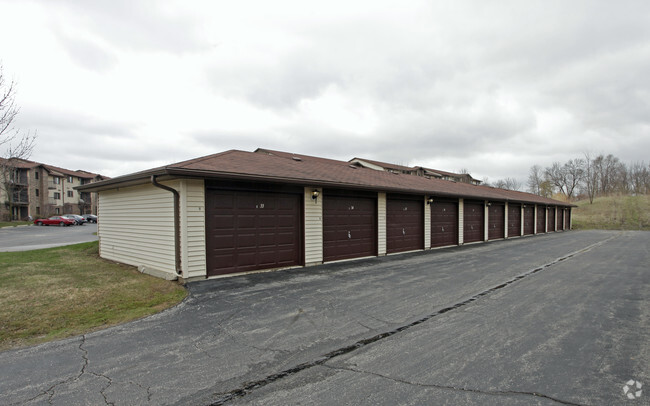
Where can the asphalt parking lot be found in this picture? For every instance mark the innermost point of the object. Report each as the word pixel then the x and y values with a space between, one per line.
pixel 25 238
pixel 554 319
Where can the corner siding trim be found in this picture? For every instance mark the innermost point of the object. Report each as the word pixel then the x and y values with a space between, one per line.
pixel 381 223
pixel 313 213
pixel 461 225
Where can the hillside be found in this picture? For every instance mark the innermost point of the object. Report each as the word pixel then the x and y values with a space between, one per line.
pixel 613 213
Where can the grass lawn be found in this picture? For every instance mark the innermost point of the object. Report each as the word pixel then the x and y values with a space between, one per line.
pixel 59 292
pixel 14 223
pixel 613 213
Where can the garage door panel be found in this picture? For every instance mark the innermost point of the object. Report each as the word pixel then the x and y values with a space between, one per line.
pixel 444 223
pixel 514 220
pixel 529 220
pixel 349 226
pixel 404 224
pixel 496 221
pixel 541 219
pixel 551 219
pixel 247 230
pixel 473 221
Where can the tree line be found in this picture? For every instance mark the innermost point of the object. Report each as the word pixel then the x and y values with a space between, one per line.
pixel 585 178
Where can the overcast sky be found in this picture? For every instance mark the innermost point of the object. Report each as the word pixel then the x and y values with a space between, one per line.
pixel 492 86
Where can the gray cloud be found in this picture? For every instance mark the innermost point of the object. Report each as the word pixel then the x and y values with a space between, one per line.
pixel 491 86
pixel 137 25
pixel 87 54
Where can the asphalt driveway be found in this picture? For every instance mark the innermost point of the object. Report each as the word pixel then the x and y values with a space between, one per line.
pixel 553 319
pixel 26 238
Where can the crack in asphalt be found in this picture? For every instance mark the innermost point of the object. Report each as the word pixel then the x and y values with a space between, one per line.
pixel 247 387
pixel 102 391
pixel 49 392
pixel 147 388
pixel 457 388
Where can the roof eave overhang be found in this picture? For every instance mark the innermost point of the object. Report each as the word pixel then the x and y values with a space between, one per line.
pixel 174 173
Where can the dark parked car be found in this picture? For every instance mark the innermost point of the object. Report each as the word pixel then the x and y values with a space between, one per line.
pixel 91 218
pixel 78 220
pixel 54 220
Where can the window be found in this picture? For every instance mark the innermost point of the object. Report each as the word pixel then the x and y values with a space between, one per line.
pixel 57 211
pixel 70 193
pixel 35 175
pixel 38 211
pixel 70 179
pixel 57 181
pixel 36 192
pixel 57 195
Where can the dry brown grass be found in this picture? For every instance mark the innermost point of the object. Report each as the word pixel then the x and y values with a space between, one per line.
pixel 613 213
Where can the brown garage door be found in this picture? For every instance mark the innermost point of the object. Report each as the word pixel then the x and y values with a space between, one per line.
pixel 560 218
pixel 514 220
pixel 444 223
pixel 473 221
pixel 551 219
pixel 496 221
pixel 349 225
pixel 529 220
pixel 541 219
pixel 404 223
pixel 251 230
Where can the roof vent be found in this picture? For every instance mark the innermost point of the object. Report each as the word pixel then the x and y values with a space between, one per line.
pixel 295 158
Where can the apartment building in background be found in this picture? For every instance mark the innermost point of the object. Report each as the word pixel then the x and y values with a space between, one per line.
pixel 36 189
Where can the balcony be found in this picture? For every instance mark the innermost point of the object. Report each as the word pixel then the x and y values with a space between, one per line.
pixel 19 178
pixel 85 199
pixel 19 198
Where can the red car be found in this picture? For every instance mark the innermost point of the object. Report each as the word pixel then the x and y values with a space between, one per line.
pixel 54 220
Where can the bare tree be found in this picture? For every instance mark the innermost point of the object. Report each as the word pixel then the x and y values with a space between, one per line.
pixel 508 184
pixel 535 179
pixel 566 177
pixel 14 144
pixel 556 176
pixel 621 179
pixel 574 170
pixel 606 167
pixel 590 179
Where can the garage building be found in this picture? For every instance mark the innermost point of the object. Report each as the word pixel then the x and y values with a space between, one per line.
pixel 237 212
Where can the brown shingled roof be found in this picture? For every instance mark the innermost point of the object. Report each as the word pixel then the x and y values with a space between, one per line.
pixel 27 164
pixel 283 167
pixel 20 163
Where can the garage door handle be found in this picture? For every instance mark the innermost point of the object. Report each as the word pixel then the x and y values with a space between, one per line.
pixel 349 235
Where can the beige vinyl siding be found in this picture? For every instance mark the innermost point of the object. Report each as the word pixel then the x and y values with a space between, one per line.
pixel 461 221
pixel 136 226
pixel 486 221
pixel 427 224
pixel 313 227
pixel 505 225
pixel 381 223
pixel 193 262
